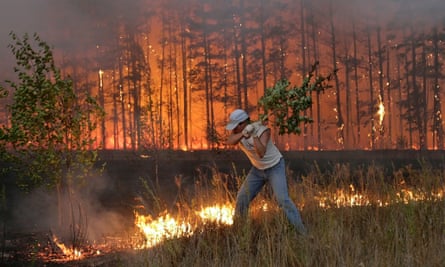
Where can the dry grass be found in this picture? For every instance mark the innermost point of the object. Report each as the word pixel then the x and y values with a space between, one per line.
pixel 390 230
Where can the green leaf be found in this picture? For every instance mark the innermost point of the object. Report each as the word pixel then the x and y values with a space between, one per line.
pixel 284 107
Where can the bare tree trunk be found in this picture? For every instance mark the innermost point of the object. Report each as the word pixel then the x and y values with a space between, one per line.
pixel 170 87
pixel 418 105
pixel 122 107
pixel 371 91
pixel 381 99
pixel 102 104
pixel 185 85
pixel 130 94
pixel 176 85
pixel 401 138
pixel 424 128
pixel 211 135
pixel 303 47
pixel 137 62
pixel 340 122
pixel 150 105
pixel 389 100
pixel 237 65
pixel 314 41
pixel 408 100
pixel 207 85
pixel 245 82
pixel 161 88
pixel 263 47
pixel 437 111
pixel 348 123
pixel 357 91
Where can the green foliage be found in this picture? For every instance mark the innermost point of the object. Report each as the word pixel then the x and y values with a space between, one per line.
pixel 287 104
pixel 49 134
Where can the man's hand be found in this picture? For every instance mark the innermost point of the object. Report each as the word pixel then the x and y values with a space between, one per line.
pixel 248 130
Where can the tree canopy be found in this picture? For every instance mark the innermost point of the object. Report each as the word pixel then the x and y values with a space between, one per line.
pixel 49 132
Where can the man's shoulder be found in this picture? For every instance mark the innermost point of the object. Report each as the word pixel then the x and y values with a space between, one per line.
pixel 259 124
pixel 260 128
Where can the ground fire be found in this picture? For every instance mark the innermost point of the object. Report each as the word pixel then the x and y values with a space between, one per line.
pixel 150 232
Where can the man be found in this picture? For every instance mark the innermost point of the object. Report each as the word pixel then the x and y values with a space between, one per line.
pixel 267 166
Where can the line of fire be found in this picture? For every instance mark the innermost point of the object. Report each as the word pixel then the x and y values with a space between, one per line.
pixel 168 74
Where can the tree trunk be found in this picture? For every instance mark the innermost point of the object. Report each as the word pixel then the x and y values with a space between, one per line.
pixel 371 90
pixel 340 122
pixel 437 105
pixel 357 91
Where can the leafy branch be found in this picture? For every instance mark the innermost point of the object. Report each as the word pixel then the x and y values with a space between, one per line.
pixel 286 105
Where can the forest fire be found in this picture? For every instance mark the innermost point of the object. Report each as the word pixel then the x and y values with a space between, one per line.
pixel 151 232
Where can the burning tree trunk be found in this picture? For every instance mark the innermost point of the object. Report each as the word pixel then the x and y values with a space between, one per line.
pixel 371 90
pixel 356 86
pixel 340 121
pixel 437 103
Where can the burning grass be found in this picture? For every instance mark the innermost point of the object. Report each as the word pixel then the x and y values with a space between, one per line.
pixel 363 216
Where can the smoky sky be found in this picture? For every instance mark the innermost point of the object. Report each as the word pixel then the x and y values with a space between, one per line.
pixel 72 23
pixel 64 24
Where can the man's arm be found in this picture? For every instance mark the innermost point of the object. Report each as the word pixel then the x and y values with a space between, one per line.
pixel 234 138
pixel 260 143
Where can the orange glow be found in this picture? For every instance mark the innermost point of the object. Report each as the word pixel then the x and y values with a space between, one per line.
pixel 166 227
pixel 101 78
pixel 71 253
pixel 161 229
pixel 221 214
pixel 381 111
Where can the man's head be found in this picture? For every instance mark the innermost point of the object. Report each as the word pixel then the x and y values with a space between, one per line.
pixel 238 120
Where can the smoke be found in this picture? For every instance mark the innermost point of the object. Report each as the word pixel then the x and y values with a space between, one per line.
pixel 82 213
pixel 82 24
pixel 70 27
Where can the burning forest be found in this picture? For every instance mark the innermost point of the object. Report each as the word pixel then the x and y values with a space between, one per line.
pixel 112 113
pixel 168 73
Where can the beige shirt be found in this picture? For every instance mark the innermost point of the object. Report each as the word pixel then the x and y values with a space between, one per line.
pixel 272 155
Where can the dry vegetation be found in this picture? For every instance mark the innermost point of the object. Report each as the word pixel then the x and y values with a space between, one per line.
pixel 356 216
pixel 370 217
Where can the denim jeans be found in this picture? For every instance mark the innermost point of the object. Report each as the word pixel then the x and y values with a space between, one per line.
pixel 255 181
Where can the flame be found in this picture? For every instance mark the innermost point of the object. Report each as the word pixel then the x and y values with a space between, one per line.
pixel 161 229
pixel 72 253
pixel 350 198
pixel 220 214
pixel 101 76
pixel 166 227
pixel 342 198
pixel 381 111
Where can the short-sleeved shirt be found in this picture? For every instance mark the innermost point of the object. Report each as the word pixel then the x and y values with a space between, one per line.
pixel 272 155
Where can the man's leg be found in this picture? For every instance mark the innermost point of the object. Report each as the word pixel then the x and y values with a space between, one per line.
pixel 277 178
pixel 248 191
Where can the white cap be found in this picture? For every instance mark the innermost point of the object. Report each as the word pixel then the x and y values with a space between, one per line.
pixel 236 117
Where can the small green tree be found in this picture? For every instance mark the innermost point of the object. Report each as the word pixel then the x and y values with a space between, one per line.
pixel 286 105
pixel 48 138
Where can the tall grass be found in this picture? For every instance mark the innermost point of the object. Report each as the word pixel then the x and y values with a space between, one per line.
pixel 390 228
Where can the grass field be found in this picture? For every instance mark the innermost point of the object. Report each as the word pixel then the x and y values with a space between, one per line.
pixel 355 217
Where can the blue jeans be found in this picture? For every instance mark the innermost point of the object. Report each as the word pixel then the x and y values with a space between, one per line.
pixel 255 181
